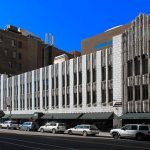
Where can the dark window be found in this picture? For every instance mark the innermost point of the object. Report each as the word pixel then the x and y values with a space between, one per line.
pixel 80 77
pixel 94 74
pixel 63 100
pixel 94 97
pixel 13 43
pixel 88 97
pixel 56 100
pixel 47 102
pixel 103 96
pixel 19 56
pixel 109 72
pixel 5 52
pixel 63 80
pixel 43 84
pixel 46 84
pixel 56 82
pixel 144 64
pixel 34 85
pixel 145 92
pixel 129 68
pixel 38 85
pixel 110 95
pixel 75 98
pixel 68 99
pixel 53 101
pixel 20 66
pixel 75 78
pixel 137 65
pixel 137 92
pixel 38 102
pixel 80 98
pixel 103 73
pixel 133 127
pixel 88 76
pixel 53 83
pixel 20 44
pixel 44 102
pixel 14 54
pixel 130 93
pixel 68 79
pixel 10 64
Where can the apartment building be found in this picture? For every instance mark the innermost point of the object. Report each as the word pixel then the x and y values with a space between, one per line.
pixel 111 85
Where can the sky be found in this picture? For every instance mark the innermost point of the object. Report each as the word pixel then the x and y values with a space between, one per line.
pixel 70 21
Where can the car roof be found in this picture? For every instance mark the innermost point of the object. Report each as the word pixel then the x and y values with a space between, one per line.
pixel 139 124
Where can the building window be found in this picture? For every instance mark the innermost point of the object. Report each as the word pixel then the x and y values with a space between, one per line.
pixel 63 100
pixel 35 86
pixel 137 92
pixel 47 102
pixel 80 98
pixel 103 73
pixel 53 83
pixel 94 75
pixel 19 56
pixel 38 102
pixel 14 54
pixel 110 95
pixel 145 92
pixel 46 84
pixel 52 100
pixel 68 79
pixel 130 93
pixel 88 76
pixel 75 78
pixel 5 52
pixel 137 65
pixel 75 99
pixel 94 97
pixel 144 64
pixel 10 64
pixel 43 84
pixel 68 99
pixel 43 102
pixel 20 66
pixel 56 100
pixel 80 77
pixel 63 80
pixel 110 73
pixel 129 68
pixel 19 44
pixel 88 97
pixel 103 96
pixel 13 43
pixel 38 84
pixel 56 82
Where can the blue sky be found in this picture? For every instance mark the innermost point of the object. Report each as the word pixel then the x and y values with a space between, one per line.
pixel 70 21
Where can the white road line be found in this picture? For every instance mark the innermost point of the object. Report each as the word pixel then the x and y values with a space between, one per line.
pixel 62 147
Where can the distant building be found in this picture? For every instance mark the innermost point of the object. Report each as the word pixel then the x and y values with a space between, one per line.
pixel 21 51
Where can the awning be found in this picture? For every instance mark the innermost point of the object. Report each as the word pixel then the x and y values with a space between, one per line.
pixel 98 115
pixel 18 116
pixel 61 116
pixel 135 116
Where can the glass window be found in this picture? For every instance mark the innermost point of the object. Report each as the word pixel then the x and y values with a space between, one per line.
pixel 133 127
pixel 143 128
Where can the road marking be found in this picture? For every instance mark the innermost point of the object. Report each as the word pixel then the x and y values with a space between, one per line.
pixel 62 147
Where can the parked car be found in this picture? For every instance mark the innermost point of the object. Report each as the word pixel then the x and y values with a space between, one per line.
pixel 10 124
pixel 29 126
pixel 84 129
pixel 137 131
pixel 53 127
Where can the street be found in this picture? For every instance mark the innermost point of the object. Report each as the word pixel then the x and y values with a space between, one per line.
pixel 12 141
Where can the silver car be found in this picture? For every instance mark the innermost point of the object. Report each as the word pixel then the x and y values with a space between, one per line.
pixel 53 127
pixel 84 129
pixel 138 131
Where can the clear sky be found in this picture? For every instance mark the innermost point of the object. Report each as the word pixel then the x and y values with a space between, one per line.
pixel 69 21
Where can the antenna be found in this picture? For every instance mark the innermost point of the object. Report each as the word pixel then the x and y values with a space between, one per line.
pixel 49 39
pixel 46 38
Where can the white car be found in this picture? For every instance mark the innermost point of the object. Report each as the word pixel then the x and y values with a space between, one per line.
pixel 84 129
pixel 138 131
pixel 53 127
pixel 9 124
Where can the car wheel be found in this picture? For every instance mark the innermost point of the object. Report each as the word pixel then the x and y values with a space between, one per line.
pixel 53 131
pixel 42 130
pixel 28 129
pixel 115 135
pixel 139 137
pixel 84 133
pixel 69 132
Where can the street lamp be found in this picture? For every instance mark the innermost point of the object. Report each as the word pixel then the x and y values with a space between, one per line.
pixel 9 105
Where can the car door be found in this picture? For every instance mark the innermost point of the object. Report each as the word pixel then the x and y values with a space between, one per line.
pixel 75 129
pixel 47 127
pixel 124 132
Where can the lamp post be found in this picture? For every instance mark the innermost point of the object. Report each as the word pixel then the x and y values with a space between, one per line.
pixel 9 105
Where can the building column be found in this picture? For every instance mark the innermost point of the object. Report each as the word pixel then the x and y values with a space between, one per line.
pixel 50 87
pixel 25 92
pixel 41 88
pixel 19 92
pixel 60 85
pixel 71 83
pixel 33 94
pixel 12 102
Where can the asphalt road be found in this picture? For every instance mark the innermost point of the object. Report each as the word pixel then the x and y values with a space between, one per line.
pixel 10 141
